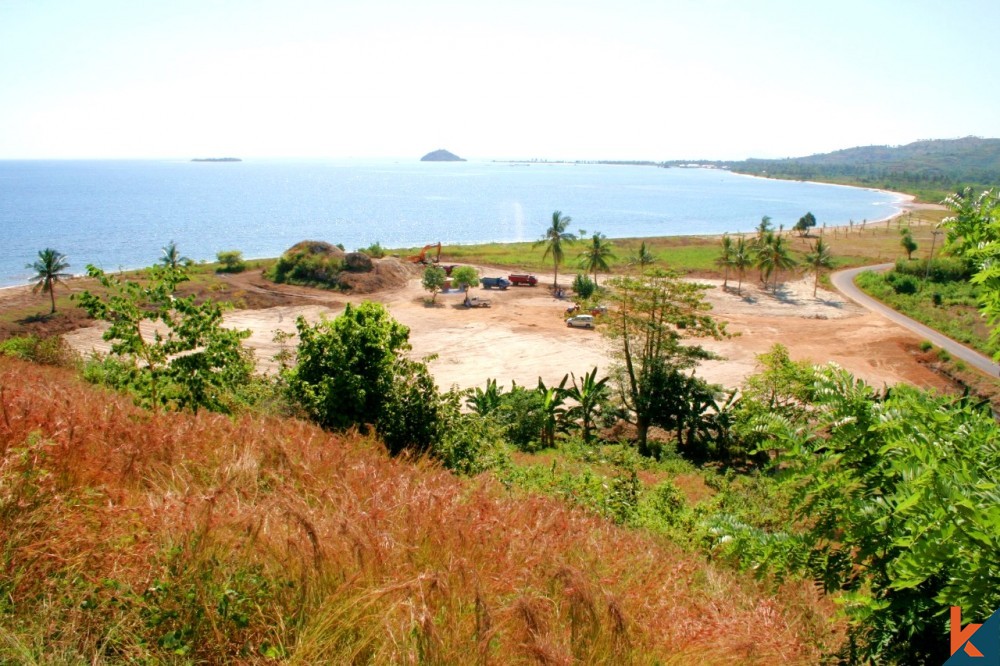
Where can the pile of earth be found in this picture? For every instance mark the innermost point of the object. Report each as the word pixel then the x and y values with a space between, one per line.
pixel 319 264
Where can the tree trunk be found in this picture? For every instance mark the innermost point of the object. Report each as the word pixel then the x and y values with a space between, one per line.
pixel 642 430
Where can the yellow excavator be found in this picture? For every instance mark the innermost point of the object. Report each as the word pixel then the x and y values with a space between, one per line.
pixel 422 258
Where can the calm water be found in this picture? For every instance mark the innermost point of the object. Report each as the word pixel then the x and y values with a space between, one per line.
pixel 119 214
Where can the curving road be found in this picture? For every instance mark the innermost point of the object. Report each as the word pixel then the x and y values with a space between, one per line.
pixel 844 282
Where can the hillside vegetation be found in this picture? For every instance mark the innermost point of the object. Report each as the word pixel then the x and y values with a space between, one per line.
pixel 131 535
pixel 929 169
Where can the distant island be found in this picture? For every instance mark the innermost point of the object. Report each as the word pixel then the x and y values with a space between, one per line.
pixel 216 159
pixel 441 156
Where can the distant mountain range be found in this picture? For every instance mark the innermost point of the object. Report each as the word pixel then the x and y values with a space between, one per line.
pixel 930 169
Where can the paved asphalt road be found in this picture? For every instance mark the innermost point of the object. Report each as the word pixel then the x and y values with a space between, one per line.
pixel 844 281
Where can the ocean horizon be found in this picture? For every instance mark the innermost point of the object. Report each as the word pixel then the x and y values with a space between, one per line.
pixel 118 214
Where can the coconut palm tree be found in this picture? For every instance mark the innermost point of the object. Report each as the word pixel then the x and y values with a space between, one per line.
pixel 553 240
pixel 172 257
pixel 596 255
pixel 820 259
pixel 773 258
pixel 49 272
pixel 742 260
pixel 725 259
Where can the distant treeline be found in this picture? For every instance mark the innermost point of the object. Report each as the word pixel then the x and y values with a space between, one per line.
pixel 928 169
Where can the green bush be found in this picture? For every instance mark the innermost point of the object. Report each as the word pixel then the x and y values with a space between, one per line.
pixel 47 351
pixel 375 250
pixel 904 284
pixel 231 260
pixel 583 286
pixel 307 268
pixel 942 269
pixel 520 413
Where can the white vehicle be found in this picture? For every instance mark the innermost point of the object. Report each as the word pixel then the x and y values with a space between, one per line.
pixel 581 321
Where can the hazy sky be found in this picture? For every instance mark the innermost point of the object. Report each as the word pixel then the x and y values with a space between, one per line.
pixel 616 79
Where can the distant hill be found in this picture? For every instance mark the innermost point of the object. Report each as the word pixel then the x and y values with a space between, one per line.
pixel 216 159
pixel 441 155
pixel 930 169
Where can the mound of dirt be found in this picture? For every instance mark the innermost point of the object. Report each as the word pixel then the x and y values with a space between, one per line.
pixel 386 274
pixel 315 247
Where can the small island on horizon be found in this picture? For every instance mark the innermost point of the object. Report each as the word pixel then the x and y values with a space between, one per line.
pixel 441 155
pixel 216 159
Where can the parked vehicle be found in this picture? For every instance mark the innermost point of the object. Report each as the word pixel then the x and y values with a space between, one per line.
pixel 497 282
pixel 476 302
pixel 581 321
pixel 522 280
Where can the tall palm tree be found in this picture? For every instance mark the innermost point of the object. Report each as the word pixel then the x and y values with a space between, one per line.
pixel 725 259
pixel 742 260
pixel 819 258
pixel 172 257
pixel 49 272
pixel 597 254
pixel 773 258
pixel 553 239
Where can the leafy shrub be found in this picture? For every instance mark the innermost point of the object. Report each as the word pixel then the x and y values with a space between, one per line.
pixel 520 413
pixel 375 250
pixel 47 351
pixel 231 260
pixel 583 286
pixel 926 346
pixel 470 444
pixel 942 269
pixel 903 284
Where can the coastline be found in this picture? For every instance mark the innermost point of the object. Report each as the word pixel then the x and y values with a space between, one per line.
pixel 707 214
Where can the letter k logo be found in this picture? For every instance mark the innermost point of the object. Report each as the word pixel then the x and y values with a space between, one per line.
pixel 959 635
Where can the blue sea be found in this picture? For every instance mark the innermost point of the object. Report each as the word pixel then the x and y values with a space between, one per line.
pixel 119 214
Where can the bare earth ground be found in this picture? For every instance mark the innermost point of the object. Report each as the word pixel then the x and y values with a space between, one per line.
pixel 523 336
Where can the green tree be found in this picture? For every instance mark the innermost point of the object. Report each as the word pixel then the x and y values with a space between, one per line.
pixel 765 226
pixel 553 240
pixel 346 366
pixel 176 351
pixel 725 258
pixel 49 271
pixel 906 241
pixel 642 258
pixel 654 314
pixel 897 502
pixel 742 260
pixel 773 256
pixel 171 256
pixel 553 407
pixel 411 416
pixel 485 401
pixel 597 255
pixel 465 277
pixel 231 260
pixel 434 279
pixel 819 259
pixel 589 394
pixel 973 233
pixel 805 223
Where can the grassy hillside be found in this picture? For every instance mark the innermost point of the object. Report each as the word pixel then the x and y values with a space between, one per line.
pixel 130 535
pixel 929 169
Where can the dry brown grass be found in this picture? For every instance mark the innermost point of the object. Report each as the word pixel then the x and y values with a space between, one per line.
pixel 126 534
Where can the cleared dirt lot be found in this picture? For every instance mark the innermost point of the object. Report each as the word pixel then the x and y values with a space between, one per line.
pixel 523 336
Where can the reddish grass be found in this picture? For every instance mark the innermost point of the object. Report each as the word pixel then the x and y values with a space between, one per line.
pixel 126 534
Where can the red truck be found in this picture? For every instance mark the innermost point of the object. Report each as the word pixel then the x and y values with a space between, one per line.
pixel 523 280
